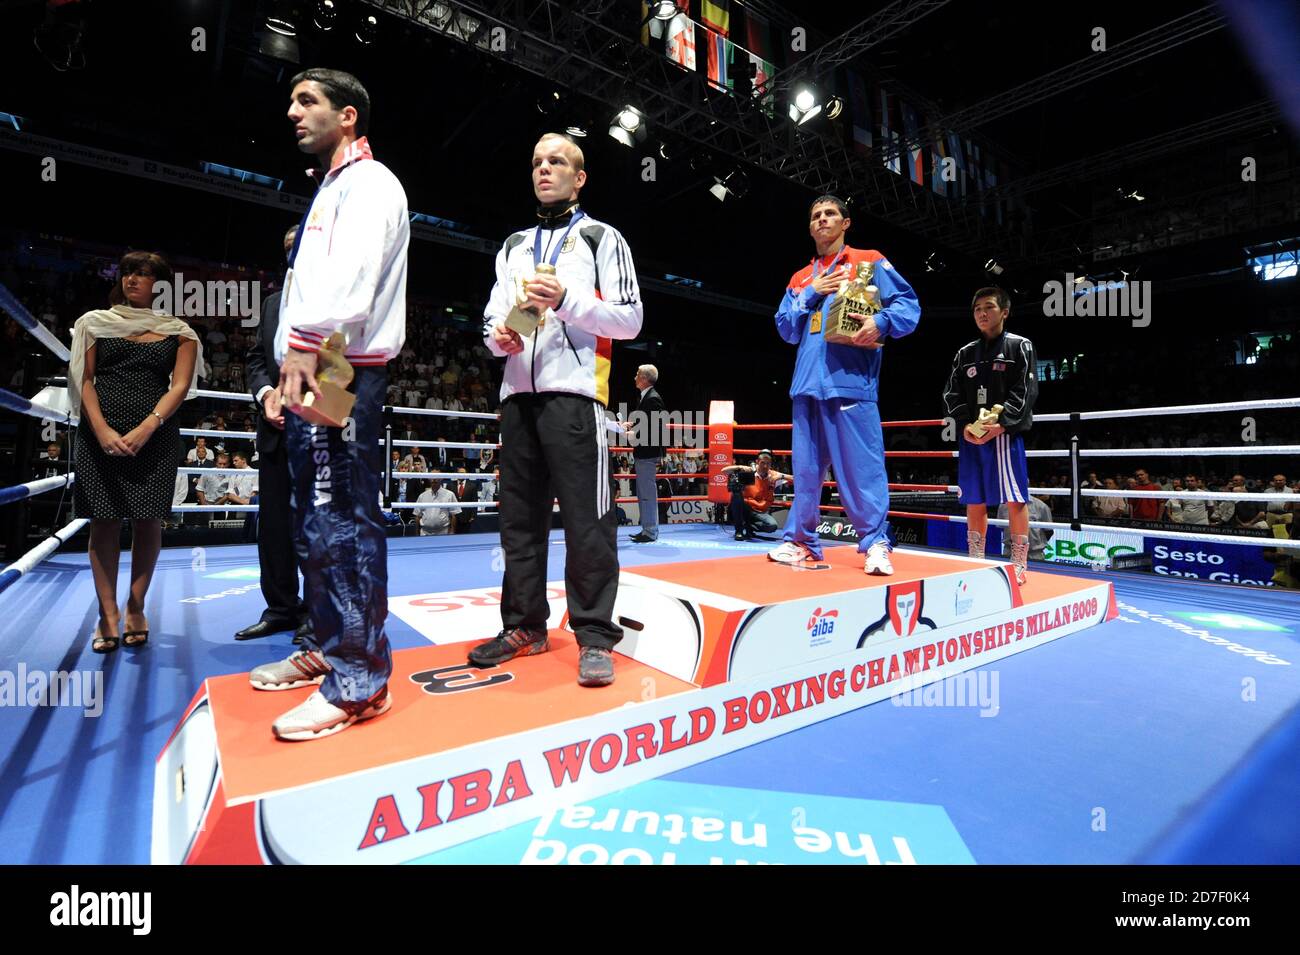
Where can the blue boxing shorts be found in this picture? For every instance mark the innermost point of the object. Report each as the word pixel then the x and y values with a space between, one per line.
pixel 993 473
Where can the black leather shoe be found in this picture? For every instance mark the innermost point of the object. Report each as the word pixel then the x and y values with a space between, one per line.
pixel 304 630
pixel 641 539
pixel 263 628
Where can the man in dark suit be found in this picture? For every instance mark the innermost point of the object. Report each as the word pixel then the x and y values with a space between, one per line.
pixel 465 491
pixel 646 432
pixel 284 611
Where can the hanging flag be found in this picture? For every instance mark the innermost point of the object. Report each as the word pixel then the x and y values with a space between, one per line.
pixel 681 39
pixel 719 62
pixel 939 154
pixel 716 16
pixel 758 36
pixel 860 108
pixel 915 153
pixel 889 139
pixel 958 187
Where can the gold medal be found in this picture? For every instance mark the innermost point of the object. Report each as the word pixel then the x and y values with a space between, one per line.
pixel 815 326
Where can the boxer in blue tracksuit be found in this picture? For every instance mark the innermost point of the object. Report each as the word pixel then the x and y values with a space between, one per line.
pixel 836 420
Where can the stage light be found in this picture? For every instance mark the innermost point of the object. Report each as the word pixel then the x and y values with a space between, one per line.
pixel 805 100
pixel 281 19
pixel 934 263
pixel 628 126
pixel 734 185
pixel 367 29
pixel 992 267
pixel 664 9
pixel 805 107
pixel 664 152
pixel 576 131
pixel 326 15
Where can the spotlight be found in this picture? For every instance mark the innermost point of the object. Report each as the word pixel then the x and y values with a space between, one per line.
pixel 804 106
pixel 992 267
pixel 367 29
pixel 663 9
pixel 735 184
pixel 933 263
pixel 547 104
pixel 1132 194
pixel 327 14
pixel 576 131
pixel 281 19
pixel 665 152
pixel 628 126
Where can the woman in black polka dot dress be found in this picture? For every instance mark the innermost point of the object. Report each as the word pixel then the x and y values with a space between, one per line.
pixel 131 369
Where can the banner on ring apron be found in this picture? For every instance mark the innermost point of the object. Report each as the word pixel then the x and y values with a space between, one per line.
pixel 722 433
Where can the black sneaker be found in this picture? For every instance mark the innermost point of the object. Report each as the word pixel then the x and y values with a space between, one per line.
pixel 595 667
pixel 508 644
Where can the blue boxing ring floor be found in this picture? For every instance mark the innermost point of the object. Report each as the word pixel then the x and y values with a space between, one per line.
pixel 1168 735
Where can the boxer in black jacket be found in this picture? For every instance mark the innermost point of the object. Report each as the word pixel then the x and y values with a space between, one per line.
pixel 284 610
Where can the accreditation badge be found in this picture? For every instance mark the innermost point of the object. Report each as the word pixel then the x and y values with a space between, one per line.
pixel 815 326
pixel 981 396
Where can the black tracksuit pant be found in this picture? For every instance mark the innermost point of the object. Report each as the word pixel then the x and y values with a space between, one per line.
pixel 554 445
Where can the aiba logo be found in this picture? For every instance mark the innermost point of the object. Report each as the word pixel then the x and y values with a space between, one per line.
pixel 822 623
pixel 964 598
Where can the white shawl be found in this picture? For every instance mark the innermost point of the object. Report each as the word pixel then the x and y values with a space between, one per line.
pixel 122 321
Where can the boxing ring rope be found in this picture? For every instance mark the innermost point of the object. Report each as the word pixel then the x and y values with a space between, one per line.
pixel 18 312
pixel 20 492
pixel 38 553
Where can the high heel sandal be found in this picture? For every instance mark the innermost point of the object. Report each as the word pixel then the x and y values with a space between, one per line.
pixel 104 644
pixel 142 634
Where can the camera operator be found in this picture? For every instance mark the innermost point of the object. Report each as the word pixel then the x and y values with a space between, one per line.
pixel 752 496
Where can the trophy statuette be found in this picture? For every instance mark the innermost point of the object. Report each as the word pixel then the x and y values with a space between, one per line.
pixel 522 318
pixel 333 375
pixel 987 417
pixel 857 296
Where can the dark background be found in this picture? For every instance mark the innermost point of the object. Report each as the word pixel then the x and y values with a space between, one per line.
pixel 457 127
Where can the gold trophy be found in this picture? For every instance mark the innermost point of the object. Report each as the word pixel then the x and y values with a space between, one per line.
pixel 333 375
pixel 522 318
pixel 987 417
pixel 856 296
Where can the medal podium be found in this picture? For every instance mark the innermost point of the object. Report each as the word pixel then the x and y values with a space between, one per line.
pixel 717 655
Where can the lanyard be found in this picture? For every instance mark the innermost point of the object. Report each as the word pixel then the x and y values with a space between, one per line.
pixel 834 263
pixel 555 256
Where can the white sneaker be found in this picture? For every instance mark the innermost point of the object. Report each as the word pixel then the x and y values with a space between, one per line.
pixel 790 553
pixel 878 560
pixel 315 717
pixel 301 669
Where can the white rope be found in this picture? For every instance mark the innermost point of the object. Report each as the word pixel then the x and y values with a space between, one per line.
pixel 1146 532
pixel 41 485
pixel 231 395
pixel 442 475
pixel 248 470
pixel 209 433
pixel 411 506
pixel 27 561
pixel 1193 495
pixel 437 412
pixel 439 444
pixel 1184 452
pixel 1258 405
pixel 209 508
